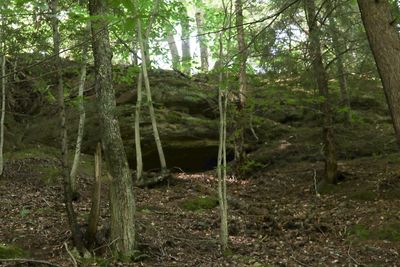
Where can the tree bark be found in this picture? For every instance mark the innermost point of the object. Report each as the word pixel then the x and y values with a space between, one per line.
pixel 76 234
pixel 82 115
pixel 3 90
pixel 186 56
pixel 96 197
pixel 384 41
pixel 146 34
pixel 202 40
pixel 340 68
pixel 150 100
pixel 322 84
pixel 221 167
pixel 122 202
pixel 240 154
pixel 3 107
pixel 138 147
pixel 174 51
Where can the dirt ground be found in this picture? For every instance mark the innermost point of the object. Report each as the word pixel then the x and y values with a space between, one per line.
pixel 276 218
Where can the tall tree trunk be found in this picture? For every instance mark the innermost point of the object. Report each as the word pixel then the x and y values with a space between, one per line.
pixel 202 40
pixel 384 41
pixel 322 84
pixel 150 100
pixel 340 68
pixel 134 56
pixel 138 147
pixel 96 196
pixel 122 202
pixel 186 56
pixel 240 154
pixel 76 235
pixel 146 34
pixel 3 108
pixel 221 167
pixel 174 51
pixel 82 114
pixel 3 92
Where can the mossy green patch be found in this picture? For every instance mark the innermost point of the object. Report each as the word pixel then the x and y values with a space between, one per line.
pixel 200 203
pixel 38 152
pixel 360 231
pixel 11 251
pixel 364 195
pixel 48 173
pixel 390 232
pixel 325 188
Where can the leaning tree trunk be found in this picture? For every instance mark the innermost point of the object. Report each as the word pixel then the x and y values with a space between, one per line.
pixel 138 146
pixel 138 107
pixel 150 100
pixel 202 40
pixel 82 114
pixel 76 235
pixel 240 154
pixel 122 202
pixel 384 41
pixel 186 56
pixel 146 34
pixel 174 51
pixel 322 84
pixel 221 165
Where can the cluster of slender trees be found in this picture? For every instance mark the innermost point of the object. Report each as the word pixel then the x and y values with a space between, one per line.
pixel 234 44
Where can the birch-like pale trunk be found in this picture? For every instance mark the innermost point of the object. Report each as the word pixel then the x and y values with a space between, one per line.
pixel 149 99
pixel 76 235
pixel 139 95
pixel 139 157
pixel 186 56
pixel 146 34
pixel 82 115
pixel 223 107
pixel 240 154
pixel 202 40
pixel 173 49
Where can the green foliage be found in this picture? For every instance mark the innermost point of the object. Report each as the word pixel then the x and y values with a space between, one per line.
pixel 250 166
pixel 24 212
pixel 200 203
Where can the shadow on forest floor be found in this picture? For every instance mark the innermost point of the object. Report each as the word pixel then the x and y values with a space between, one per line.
pixel 276 218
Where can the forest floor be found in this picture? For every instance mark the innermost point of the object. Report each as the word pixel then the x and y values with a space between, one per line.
pixel 276 217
